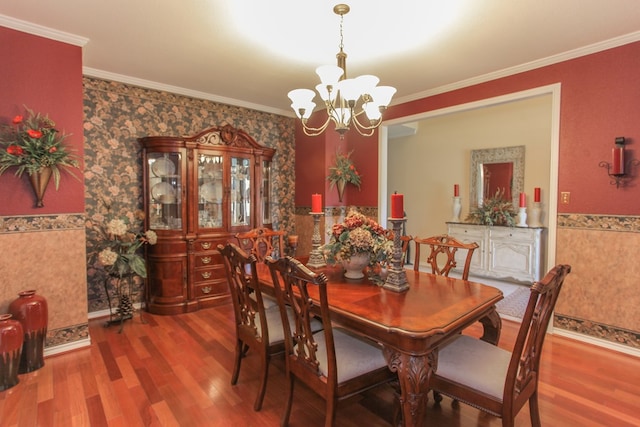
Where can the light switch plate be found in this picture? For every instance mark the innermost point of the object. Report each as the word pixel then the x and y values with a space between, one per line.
pixel 565 196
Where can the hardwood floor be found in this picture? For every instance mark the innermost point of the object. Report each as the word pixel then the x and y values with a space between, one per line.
pixel 175 371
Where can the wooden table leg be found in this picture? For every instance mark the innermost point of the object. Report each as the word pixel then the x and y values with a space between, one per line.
pixel 492 325
pixel 414 373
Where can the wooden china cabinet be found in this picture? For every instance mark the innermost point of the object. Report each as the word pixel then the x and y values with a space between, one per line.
pixel 199 191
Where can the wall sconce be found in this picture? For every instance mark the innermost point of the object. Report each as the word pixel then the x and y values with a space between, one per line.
pixel 619 170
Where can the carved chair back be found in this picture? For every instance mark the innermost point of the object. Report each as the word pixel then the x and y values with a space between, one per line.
pixel 262 242
pixel 442 254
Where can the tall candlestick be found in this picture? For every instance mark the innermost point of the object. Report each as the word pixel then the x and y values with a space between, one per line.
pixel 316 203
pixel 456 190
pixel 536 194
pixel 397 205
pixel 617 166
pixel 523 200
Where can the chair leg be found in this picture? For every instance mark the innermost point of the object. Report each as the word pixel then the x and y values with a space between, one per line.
pixel 533 410
pixel 287 409
pixel 330 416
pixel 437 397
pixel 237 363
pixel 263 383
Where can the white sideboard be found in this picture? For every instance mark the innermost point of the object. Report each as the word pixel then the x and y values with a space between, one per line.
pixel 504 253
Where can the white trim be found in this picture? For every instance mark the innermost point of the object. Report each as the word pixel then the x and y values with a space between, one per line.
pixel 106 312
pixel 106 75
pixel 63 348
pixel 528 66
pixel 609 345
pixel 39 30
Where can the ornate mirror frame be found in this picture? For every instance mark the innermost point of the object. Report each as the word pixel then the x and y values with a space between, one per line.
pixel 497 155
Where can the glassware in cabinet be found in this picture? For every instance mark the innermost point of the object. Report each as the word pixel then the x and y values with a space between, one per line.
pixel 240 191
pixel 210 190
pixel 164 190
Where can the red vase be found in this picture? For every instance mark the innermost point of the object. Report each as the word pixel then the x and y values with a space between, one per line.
pixel 31 310
pixel 10 348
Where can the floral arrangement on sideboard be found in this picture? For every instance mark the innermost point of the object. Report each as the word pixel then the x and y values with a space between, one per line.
pixel 495 210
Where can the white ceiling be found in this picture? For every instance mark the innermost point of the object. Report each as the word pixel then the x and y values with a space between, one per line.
pixel 252 52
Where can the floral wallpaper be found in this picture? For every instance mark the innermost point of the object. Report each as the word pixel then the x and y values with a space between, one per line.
pixel 116 115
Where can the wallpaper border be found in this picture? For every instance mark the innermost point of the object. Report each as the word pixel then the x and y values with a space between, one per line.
pixel 597 330
pixel 28 224
pixel 625 223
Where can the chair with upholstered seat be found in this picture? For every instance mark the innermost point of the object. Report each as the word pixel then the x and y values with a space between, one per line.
pixel 262 242
pixel 442 254
pixel 493 379
pixel 333 363
pixel 257 328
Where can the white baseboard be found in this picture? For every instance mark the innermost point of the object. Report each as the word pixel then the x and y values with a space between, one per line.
pixel 63 348
pixel 597 341
pixel 106 312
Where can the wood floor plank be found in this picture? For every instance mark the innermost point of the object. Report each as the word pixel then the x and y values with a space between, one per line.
pixel 176 371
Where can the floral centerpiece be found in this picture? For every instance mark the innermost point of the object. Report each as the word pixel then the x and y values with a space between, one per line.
pixel 494 211
pixel 121 258
pixel 358 234
pixel 343 172
pixel 33 143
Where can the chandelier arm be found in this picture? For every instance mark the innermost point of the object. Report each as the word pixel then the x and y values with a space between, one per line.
pixel 311 131
pixel 376 123
pixel 363 130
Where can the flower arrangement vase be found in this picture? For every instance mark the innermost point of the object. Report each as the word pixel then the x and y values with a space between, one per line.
pixel 340 186
pixel 11 337
pixel 354 266
pixel 39 181
pixel 31 310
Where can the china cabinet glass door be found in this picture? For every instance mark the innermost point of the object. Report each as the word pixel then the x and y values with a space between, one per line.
pixel 266 192
pixel 240 199
pixel 210 191
pixel 165 190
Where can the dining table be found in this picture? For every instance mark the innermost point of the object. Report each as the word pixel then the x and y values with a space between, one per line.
pixel 409 325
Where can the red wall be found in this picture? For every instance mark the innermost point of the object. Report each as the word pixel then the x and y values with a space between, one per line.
pixel 600 100
pixel 46 76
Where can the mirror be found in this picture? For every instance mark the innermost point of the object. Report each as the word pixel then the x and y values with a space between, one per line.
pixel 494 169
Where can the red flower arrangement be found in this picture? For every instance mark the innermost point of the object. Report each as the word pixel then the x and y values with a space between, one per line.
pixel 33 143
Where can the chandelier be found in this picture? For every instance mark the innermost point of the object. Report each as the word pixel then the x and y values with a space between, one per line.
pixel 357 102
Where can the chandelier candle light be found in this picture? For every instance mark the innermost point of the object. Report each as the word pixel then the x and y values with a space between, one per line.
pixel 357 102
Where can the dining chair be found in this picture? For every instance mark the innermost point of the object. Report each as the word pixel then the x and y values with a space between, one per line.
pixel 261 242
pixel 442 254
pixel 406 242
pixel 493 379
pixel 257 328
pixel 333 363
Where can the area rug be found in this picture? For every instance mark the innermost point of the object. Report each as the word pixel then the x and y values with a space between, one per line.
pixel 514 304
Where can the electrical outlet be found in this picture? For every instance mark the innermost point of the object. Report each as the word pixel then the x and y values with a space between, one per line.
pixel 565 196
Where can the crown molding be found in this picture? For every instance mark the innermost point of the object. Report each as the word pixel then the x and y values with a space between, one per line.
pixel 528 66
pixel 39 30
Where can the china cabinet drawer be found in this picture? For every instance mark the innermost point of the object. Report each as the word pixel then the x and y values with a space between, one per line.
pixel 210 289
pixel 215 272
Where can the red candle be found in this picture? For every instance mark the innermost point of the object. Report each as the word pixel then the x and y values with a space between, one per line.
pixel 456 190
pixel 316 203
pixel 397 205
pixel 617 166
pixel 536 194
pixel 523 200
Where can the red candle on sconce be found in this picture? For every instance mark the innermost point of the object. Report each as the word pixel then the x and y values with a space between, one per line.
pixel 523 200
pixel 536 194
pixel 617 165
pixel 316 203
pixel 456 190
pixel 397 206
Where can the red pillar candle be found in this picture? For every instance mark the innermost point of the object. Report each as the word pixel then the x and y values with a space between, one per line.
pixel 456 190
pixel 536 194
pixel 316 203
pixel 617 166
pixel 523 200
pixel 397 205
